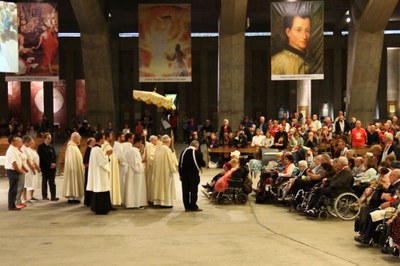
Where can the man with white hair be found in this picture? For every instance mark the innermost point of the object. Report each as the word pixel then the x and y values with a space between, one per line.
pixel 165 163
pixel 339 183
pixel 389 147
pixel 73 187
pixel 190 164
pixel 149 151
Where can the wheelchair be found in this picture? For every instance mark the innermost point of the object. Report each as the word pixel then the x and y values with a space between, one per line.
pixel 345 206
pixel 234 193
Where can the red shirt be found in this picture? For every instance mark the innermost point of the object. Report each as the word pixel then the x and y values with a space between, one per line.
pixel 358 137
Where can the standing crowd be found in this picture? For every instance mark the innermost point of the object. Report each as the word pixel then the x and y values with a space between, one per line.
pixel 125 171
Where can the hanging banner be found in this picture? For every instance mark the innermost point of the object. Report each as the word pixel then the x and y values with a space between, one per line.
pixel 165 43
pixel 8 37
pixel 37 42
pixel 297 40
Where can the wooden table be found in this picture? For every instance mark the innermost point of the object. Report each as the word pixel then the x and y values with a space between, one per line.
pixel 246 150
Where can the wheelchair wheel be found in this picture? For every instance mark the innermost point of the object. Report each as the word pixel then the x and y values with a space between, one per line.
pixel 347 206
pixel 242 198
pixel 223 199
pixel 331 209
pixel 323 215
pixel 299 207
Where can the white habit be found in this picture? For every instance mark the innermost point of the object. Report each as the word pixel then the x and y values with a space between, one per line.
pixel 126 146
pixel 99 170
pixel 119 153
pixel 165 163
pixel 150 150
pixel 115 189
pixel 135 181
pixel 73 172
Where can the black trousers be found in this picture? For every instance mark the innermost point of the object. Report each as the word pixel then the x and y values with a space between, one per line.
pixel 13 178
pixel 49 177
pixel 316 200
pixel 189 192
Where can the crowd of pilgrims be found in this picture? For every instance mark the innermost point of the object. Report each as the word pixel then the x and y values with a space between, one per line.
pixel 139 174
pixel 373 176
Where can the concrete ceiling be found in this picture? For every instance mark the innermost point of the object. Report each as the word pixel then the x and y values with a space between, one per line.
pixel 205 15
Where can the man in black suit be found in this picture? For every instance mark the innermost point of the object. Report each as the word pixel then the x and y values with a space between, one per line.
pixel 190 163
pixel 333 186
pixel 342 126
pixel 47 155
pixel 389 147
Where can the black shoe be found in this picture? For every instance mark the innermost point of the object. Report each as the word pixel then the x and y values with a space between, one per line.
pixel 387 250
pixel 166 207
pixel 197 210
pixel 366 241
pixel 54 199
pixel 206 186
pixel 14 209
pixel 359 238
pixel 45 198
pixel 395 252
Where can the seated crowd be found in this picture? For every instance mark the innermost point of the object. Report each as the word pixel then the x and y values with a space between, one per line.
pixel 364 162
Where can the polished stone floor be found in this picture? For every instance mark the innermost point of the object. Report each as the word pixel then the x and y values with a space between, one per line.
pixel 56 233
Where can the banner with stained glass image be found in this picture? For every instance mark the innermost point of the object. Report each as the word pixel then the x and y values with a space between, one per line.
pixel 8 37
pixel 37 42
pixel 165 43
pixel 297 40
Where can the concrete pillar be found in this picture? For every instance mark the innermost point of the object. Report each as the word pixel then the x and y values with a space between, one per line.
pixel 25 101
pixel 366 35
pixel 231 52
pixel 96 53
pixel 3 99
pixel 393 56
pixel 48 103
pixel 304 97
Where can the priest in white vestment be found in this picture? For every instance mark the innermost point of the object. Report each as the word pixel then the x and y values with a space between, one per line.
pixel 99 177
pixel 150 150
pixel 126 146
pixel 135 180
pixel 115 190
pixel 73 187
pixel 165 165
pixel 119 153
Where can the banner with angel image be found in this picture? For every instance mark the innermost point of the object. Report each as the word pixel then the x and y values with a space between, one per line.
pixel 165 43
